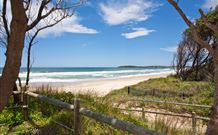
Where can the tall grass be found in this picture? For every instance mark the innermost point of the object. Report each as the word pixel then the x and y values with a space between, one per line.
pixel 43 115
pixel 171 126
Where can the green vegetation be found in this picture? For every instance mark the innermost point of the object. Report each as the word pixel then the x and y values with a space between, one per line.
pixel 43 115
pixel 201 93
pixel 192 61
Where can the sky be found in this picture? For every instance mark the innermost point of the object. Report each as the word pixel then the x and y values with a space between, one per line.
pixel 110 33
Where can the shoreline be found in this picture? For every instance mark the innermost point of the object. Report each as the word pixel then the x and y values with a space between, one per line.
pixel 98 87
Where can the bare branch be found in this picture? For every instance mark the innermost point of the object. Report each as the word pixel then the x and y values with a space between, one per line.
pixel 27 2
pixel 20 83
pixel 31 43
pixel 4 17
pixel 187 21
pixel 39 15
pixel 192 27
pixel 57 7
pixel 201 42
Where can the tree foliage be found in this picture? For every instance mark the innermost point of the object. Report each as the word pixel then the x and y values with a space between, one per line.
pixel 192 61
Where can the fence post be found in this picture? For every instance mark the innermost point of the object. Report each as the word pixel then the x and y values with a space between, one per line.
pixel 194 122
pixel 183 95
pixel 143 113
pixel 153 92
pixel 128 90
pixel 76 116
pixel 25 103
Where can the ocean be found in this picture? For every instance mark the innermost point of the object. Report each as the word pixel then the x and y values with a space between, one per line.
pixel 87 73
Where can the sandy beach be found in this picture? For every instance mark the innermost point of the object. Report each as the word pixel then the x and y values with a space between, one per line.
pixel 99 87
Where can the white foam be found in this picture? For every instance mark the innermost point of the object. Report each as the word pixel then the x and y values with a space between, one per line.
pixel 90 75
pixel 99 73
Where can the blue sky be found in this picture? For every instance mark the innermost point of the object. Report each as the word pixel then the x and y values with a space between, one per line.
pixel 113 33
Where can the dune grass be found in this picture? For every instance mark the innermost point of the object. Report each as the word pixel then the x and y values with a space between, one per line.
pixel 43 115
pixel 202 93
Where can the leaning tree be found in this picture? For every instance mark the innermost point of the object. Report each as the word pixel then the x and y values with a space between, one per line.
pixel 212 47
pixel 22 18
pixel 191 61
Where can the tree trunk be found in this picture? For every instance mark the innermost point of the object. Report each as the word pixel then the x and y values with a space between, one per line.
pixel 14 51
pixel 28 64
pixel 212 128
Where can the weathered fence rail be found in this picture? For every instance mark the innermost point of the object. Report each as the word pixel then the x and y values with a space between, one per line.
pixel 193 116
pixel 119 124
pixel 173 103
pixel 52 101
pixel 166 113
pixel 160 93
pixel 116 123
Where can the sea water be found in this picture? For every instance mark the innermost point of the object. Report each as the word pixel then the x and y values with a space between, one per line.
pixel 68 74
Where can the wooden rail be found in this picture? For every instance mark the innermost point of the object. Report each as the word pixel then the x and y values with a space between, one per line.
pixel 156 92
pixel 165 113
pixel 16 92
pixel 119 124
pixel 116 123
pixel 52 101
pixel 174 103
pixel 192 116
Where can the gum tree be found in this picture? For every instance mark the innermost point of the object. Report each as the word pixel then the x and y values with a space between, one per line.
pixel 18 19
pixel 212 48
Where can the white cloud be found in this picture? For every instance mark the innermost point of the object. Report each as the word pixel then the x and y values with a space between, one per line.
pixel 137 32
pixel 210 4
pixel 70 25
pixel 123 11
pixel 171 49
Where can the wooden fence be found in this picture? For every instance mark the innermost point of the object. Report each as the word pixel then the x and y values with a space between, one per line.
pixel 78 111
pixel 160 93
pixel 193 116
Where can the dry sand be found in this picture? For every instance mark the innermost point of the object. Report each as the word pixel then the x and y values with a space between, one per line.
pixel 100 87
